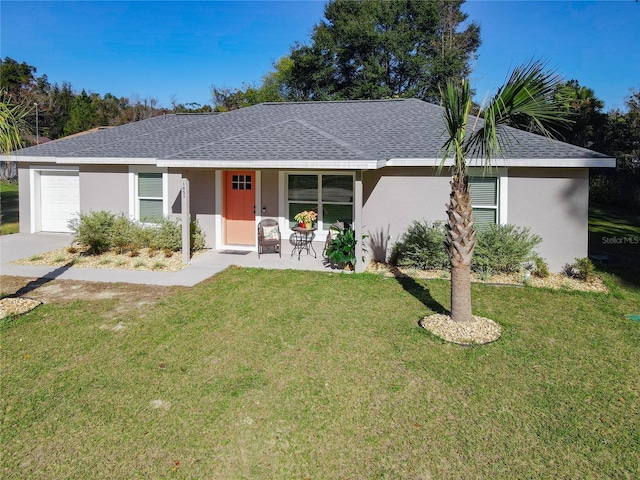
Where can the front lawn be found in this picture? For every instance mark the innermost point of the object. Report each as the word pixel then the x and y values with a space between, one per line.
pixel 282 374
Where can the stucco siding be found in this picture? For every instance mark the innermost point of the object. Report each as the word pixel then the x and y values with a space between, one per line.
pixel 24 198
pixel 269 193
pixel 554 203
pixel 203 199
pixel 104 188
pixel 394 197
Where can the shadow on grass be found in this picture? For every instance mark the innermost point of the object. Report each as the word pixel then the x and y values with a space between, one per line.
pixel 418 291
pixel 614 243
pixel 38 282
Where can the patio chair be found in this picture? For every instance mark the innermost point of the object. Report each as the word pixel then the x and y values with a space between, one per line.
pixel 269 236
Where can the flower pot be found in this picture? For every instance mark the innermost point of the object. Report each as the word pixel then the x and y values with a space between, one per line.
pixel 308 225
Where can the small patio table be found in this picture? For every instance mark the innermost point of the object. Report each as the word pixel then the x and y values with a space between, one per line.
pixel 303 240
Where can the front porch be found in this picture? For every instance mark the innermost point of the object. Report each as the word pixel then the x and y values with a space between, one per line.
pixel 202 266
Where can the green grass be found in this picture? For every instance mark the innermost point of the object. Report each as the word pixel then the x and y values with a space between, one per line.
pixel 279 374
pixel 616 234
pixel 9 207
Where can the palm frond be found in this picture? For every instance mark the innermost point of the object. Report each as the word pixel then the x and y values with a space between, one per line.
pixel 456 101
pixel 13 125
pixel 526 101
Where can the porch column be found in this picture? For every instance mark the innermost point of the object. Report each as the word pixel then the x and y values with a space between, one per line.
pixel 186 221
pixel 357 207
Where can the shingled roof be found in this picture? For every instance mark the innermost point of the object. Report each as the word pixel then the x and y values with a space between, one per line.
pixel 350 134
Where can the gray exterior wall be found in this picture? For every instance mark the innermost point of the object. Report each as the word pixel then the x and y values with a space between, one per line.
pixel 203 198
pixel 394 197
pixel 269 193
pixel 104 187
pixel 554 203
pixel 24 198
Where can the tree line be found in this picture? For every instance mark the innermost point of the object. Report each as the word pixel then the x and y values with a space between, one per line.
pixel 359 50
pixel 52 111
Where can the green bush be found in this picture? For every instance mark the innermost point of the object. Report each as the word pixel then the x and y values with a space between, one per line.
pixel 342 250
pixel 198 239
pixel 125 234
pixel 583 269
pixel 166 235
pixel 499 248
pixel 504 248
pixel 422 246
pixel 101 231
pixel 541 269
pixel 93 229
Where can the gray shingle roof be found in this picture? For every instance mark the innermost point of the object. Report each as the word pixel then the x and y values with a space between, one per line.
pixel 310 131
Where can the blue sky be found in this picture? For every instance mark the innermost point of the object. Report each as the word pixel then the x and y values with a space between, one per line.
pixel 179 49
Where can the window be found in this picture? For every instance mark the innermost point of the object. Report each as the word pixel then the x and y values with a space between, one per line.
pixel 241 182
pixel 331 196
pixel 150 197
pixel 484 199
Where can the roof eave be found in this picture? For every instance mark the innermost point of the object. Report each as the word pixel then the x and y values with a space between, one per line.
pixel 599 162
pixel 83 160
pixel 274 164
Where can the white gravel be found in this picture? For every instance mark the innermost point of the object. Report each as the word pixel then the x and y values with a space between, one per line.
pixel 477 332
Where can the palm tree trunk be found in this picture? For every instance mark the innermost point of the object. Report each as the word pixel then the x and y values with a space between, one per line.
pixel 461 240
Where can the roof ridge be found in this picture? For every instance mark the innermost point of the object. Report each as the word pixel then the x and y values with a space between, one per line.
pixel 253 130
pixel 333 138
pixel 317 102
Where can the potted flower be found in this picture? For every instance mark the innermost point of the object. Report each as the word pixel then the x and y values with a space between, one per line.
pixel 306 218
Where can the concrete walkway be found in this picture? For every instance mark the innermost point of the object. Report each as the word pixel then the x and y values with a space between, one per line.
pixel 24 245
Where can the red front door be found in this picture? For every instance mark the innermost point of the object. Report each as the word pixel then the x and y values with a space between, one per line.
pixel 239 208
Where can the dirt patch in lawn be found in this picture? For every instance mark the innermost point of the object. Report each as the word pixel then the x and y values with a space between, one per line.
pixel 21 292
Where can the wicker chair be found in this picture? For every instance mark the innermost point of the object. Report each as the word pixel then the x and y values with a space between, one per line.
pixel 269 236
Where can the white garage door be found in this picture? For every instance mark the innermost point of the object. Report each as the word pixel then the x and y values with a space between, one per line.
pixel 60 194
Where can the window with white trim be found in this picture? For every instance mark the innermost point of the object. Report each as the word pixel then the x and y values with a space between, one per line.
pixel 150 207
pixel 329 195
pixel 484 194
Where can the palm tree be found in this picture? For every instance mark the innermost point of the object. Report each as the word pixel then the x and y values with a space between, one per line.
pixel 526 100
pixel 13 126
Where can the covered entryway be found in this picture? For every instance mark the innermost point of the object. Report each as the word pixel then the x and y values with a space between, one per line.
pixel 59 199
pixel 239 207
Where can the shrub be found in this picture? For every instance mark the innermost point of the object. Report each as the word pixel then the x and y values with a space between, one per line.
pixel 504 248
pixel 198 240
pixel 583 269
pixel 541 269
pixel 124 234
pixel 167 235
pixel 342 250
pixel 93 229
pixel 422 246
pixel 101 231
